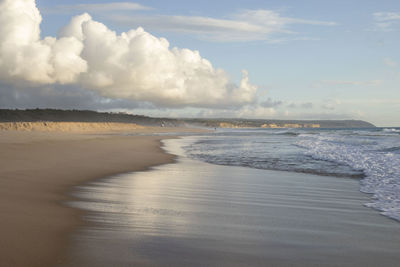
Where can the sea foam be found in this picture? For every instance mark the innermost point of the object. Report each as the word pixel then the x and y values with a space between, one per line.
pixel 376 156
pixel 372 154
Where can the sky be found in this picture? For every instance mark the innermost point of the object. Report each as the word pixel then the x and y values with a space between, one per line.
pixel 280 59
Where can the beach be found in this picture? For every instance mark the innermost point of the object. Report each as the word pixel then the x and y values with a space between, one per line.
pixel 37 171
pixel 82 197
pixel 199 133
pixel 192 213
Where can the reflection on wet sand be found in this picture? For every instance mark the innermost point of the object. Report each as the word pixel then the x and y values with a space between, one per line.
pixel 197 214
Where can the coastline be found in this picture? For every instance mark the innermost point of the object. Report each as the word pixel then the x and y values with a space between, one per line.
pixel 66 196
pixel 37 172
pixel 193 213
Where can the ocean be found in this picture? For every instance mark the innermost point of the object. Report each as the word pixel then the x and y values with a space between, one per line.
pixel 372 154
pixel 250 197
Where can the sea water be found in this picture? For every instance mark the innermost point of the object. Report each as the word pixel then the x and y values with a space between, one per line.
pixel 193 213
pixel 372 154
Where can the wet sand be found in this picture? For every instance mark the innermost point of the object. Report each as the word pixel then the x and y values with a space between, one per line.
pixel 196 214
pixel 37 171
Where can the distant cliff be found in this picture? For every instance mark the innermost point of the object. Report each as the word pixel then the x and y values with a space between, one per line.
pixel 56 115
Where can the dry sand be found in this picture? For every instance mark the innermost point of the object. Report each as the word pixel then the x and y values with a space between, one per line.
pixel 37 170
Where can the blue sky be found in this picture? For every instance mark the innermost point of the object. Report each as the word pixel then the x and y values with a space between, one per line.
pixel 309 59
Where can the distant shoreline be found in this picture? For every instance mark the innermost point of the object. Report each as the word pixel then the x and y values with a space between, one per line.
pixel 58 115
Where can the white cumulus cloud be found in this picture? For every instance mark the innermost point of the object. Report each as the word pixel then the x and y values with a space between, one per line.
pixel 133 65
pixel 23 55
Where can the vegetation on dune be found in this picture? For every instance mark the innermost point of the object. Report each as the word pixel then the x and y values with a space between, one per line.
pixel 58 115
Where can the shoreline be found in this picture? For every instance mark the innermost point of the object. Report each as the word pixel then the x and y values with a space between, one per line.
pixel 37 173
pixel 219 215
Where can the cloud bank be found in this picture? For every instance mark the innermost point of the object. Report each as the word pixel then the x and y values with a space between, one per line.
pixel 133 65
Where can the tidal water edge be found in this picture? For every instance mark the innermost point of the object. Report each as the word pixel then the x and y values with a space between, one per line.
pixel 194 213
